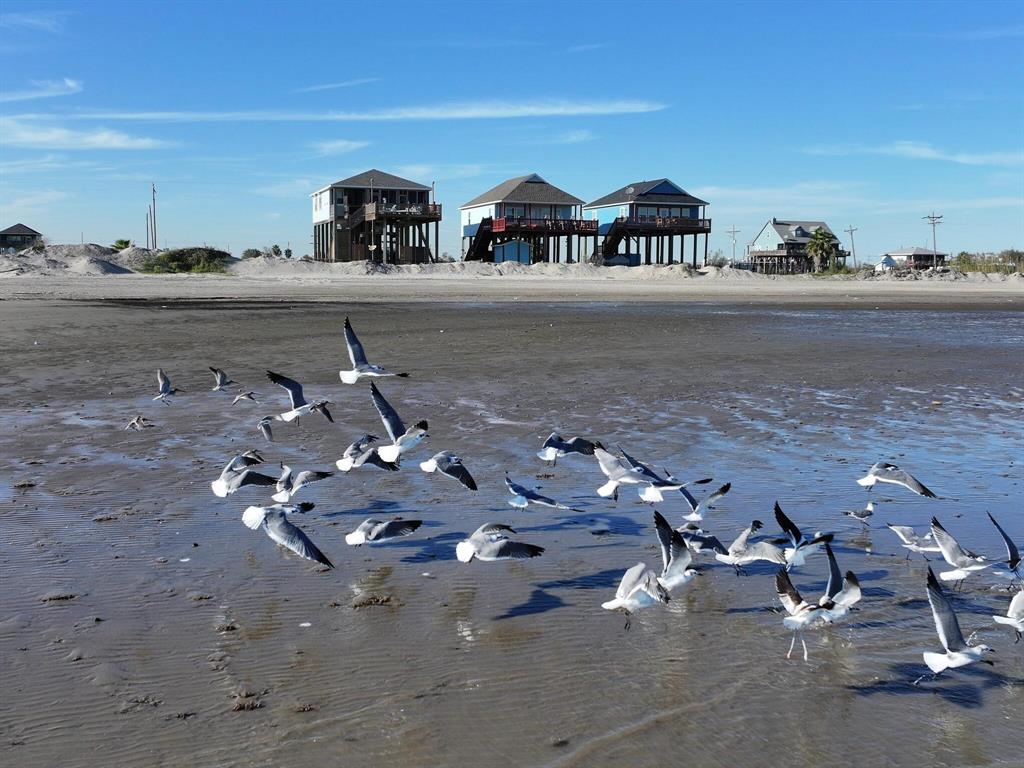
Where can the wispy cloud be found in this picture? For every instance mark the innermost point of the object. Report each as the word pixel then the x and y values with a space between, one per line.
pixel 41 21
pixel 17 133
pixel 50 162
pixel 919 150
pixel 33 201
pixel 807 199
pixel 478 110
pixel 342 84
pixel 575 137
pixel 585 47
pixel 292 188
pixel 337 146
pixel 43 89
pixel 439 172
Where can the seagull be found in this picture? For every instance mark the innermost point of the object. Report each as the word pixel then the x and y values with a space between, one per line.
pixel 696 509
pixel 274 520
pixel 963 560
pixel 958 652
pixel 912 542
pixel 675 556
pixel 1014 615
pixel 264 427
pixel 290 483
pixel 841 593
pixel 139 422
pixel 300 406
pixel 890 473
pixel 622 472
pixel 652 492
pixel 236 475
pixel 246 396
pixel 220 379
pixel 402 440
pixel 491 542
pixel 360 368
pixel 638 589
pixel 1012 553
pixel 804 615
pixel 555 447
pixel 522 497
pixel 447 463
pixel 362 451
pixel 741 552
pixel 800 547
pixel 861 515
pixel 166 390
pixel 373 531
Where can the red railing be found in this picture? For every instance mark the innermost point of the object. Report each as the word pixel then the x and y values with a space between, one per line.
pixel 667 222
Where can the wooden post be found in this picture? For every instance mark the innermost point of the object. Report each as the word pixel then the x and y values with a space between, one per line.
pixel 437 253
pixel 694 251
pixel 705 249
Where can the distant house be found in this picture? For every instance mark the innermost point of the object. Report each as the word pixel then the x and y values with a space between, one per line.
pixel 524 219
pixel 917 258
pixel 644 218
pixel 375 216
pixel 18 238
pixel 886 264
pixel 781 247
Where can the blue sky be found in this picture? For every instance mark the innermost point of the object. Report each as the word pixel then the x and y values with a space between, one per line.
pixel 870 114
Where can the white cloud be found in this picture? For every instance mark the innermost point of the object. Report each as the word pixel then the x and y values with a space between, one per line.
pixel 29 203
pixel 20 134
pixel 48 162
pixel 338 146
pixel 575 137
pixel 474 110
pixel 342 84
pixel 43 21
pixel 440 172
pixel 288 188
pixel 585 47
pixel 919 150
pixel 43 89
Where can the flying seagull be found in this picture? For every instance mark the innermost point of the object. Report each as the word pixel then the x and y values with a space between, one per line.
pixel 360 368
pixel 220 380
pixel 139 422
pixel 290 483
pixel 274 521
pixel 799 545
pixel 912 542
pixel 841 593
pixel 402 440
pixel 890 473
pixel 237 474
pixel 264 427
pixel 861 515
pixel 362 451
pixel 803 615
pixel 165 389
pixel 373 531
pixel 697 508
pixel 963 560
pixel 522 497
pixel 447 463
pixel 300 406
pixel 958 652
pixel 652 492
pixel 741 552
pixel 638 589
pixel 491 542
pixel 246 396
pixel 675 555
pixel 1014 615
pixel 555 447
pixel 1012 553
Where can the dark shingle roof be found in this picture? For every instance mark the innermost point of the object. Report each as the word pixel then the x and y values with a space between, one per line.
pixel 640 191
pixel 19 229
pixel 799 231
pixel 381 180
pixel 525 189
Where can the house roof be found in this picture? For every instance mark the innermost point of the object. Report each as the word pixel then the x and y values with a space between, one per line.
pixel 905 252
pixel 381 180
pixel 19 229
pixel 524 189
pixel 793 231
pixel 657 191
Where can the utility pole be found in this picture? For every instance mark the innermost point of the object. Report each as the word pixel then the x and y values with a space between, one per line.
pixel 154 214
pixel 853 248
pixel 147 228
pixel 935 221
pixel 733 232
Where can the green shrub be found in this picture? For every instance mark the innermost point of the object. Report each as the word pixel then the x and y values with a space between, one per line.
pixel 120 245
pixel 197 260
pixel 251 253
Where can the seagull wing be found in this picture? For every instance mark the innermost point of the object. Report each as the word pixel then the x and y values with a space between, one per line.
pixel 393 529
pixel 284 532
pixel 355 349
pixel 790 598
pixel 946 625
pixel 690 500
pixel 1016 610
pixel 1012 554
pixel 489 528
pixel 249 477
pixel 953 553
pixel 907 534
pixel 850 593
pixel 630 581
pixel 370 456
pixel 309 476
pixel 787 525
pixel 219 377
pixel 835 576
pixel 516 550
pixel 162 381
pixel 641 469
pixel 293 387
pixel 665 538
pixel 740 544
pixel 765 550
pixel 581 445
pixel 713 496
pixel 454 467
pixel 392 422
pixel 705 542
pixel 891 474
pixel 611 465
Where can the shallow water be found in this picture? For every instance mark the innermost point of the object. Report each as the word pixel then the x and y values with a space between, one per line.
pixel 497 663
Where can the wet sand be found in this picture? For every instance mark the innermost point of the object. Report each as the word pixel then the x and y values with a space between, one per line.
pixel 142 624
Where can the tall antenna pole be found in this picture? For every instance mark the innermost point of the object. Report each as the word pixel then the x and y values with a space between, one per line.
pixel 154 214
pixel 935 221
pixel 147 228
pixel 853 248
pixel 733 232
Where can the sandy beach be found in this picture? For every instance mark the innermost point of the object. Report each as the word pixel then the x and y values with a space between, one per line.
pixel 142 624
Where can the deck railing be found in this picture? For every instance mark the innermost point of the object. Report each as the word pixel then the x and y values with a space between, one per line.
pixel 567 226
pixel 666 222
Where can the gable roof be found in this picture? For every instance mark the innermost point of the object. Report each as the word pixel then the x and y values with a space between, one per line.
pixel 524 189
pixel 904 252
pixel 381 180
pixel 792 231
pixel 657 191
pixel 19 229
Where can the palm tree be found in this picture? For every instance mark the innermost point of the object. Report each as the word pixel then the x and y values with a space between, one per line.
pixel 821 248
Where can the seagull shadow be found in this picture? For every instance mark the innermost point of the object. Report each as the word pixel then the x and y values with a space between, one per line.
pixel 539 601
pixel 597 580
pixel 376 508
pixel 949 685
pixel 428 550
pixel 620 525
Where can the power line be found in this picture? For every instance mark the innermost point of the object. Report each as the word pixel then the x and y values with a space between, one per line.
pixel 935 221
pixel 853 248
pixel 733 232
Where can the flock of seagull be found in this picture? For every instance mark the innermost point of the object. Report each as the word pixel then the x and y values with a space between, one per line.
pixel 641 586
